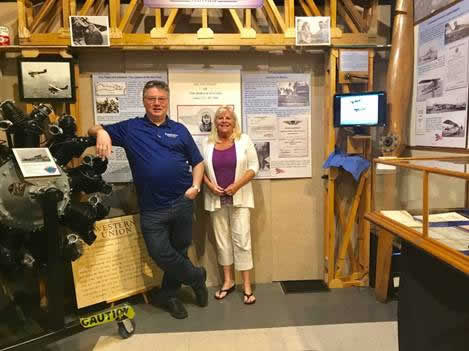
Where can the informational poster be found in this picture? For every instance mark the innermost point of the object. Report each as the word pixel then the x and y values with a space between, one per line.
pixel 117 97
pixel 116 265
pixel 198 91
pixel 441 79
pixel 277 117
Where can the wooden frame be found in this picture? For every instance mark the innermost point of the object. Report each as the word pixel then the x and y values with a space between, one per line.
pixel 48 79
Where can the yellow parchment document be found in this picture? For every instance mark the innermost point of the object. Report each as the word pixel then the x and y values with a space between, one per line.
pixel 116 265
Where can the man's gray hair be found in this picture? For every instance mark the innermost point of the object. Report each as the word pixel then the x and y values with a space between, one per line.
pixel 158 84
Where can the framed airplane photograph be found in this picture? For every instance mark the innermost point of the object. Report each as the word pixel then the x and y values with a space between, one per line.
pixel 46 79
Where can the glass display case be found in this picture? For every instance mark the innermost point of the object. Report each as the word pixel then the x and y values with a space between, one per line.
pixel 424 203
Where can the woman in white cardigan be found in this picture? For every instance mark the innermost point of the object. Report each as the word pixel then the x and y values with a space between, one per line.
pixel 230 164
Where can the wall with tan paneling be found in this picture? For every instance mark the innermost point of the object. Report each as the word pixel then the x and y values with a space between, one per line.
pixel 287 223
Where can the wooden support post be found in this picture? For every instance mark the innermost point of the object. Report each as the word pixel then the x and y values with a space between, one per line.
pixel 329 233
pixel 248 32
pixel 371 65
pixel 23 31
pixel 373 20
pixel 204 32
pixel 73 8
pixel 333 13
pixel 66 15
pixel 349 227
pixel 425 203
pixel 383 264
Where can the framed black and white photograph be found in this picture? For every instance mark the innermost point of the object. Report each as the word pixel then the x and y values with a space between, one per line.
pixel 89 30
pixel 46 80
pixel 423 9
pixel 313 30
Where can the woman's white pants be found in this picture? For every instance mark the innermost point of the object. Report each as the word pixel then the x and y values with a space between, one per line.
pixel 233 235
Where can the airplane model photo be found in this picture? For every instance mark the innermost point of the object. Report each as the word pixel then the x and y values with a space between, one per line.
pixel 35 73
pixel 53 89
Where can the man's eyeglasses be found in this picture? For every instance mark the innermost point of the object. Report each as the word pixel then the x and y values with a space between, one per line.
pixel 154 99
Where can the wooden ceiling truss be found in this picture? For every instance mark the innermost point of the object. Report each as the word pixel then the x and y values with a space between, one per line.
pixel 47 24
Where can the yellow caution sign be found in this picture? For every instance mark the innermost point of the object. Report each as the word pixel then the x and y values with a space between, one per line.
pixel 112 314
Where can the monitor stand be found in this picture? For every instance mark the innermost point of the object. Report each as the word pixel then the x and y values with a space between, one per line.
pixel 360 131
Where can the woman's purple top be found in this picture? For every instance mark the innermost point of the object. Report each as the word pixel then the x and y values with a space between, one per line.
pixel 224 165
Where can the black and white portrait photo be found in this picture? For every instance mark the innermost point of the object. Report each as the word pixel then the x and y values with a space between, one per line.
pixel 205 122
pixel 89 30
pixel 46 80
pixel 313 30
pixel 292 93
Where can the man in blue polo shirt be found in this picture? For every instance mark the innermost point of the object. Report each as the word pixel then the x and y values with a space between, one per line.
pixel 160 153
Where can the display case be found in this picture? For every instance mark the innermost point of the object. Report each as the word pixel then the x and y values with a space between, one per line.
pixel 422 204
pixel 425 201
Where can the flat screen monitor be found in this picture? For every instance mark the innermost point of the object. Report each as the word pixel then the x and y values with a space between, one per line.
pixel 367 109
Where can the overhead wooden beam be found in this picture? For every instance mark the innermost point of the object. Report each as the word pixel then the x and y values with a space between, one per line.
pixel 355 15
pixel 170 22
pixel 269 15
pixel 276 14
pixel 86 7
pixel 129 12
pixel 274 40
pixel 305 8
pixel 43 11
pixel 236 19
pixel 314 9
pixel 99 7
pixel 345 16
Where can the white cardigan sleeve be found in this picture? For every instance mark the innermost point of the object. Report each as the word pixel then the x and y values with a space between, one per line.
pixel 253 161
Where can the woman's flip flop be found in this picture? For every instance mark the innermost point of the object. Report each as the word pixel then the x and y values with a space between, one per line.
pixel 248 296
pixel 226 291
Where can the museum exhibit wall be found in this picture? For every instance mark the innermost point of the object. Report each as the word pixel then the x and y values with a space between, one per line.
pixel 287 223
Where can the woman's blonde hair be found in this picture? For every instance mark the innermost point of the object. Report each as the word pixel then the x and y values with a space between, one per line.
pixel 213 137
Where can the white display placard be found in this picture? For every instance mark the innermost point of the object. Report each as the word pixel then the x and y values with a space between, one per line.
pixel 36 162
pixel 277 117
pixel 198 91
pixel 441 79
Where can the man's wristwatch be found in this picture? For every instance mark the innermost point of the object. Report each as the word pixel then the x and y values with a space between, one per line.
pixel 196 187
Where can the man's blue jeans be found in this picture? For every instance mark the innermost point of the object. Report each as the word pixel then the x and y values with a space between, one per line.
pixel 168 235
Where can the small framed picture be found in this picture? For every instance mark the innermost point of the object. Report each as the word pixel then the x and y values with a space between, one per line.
pixel 89 30
pixel 36 162
pixel 313 30
pixel 46 79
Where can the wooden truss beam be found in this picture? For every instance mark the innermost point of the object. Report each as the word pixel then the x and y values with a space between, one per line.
pixel 43 11
pixel 354 15
pixel 86 7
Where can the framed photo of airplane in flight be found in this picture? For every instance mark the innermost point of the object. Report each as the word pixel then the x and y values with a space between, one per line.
pixel 46 79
